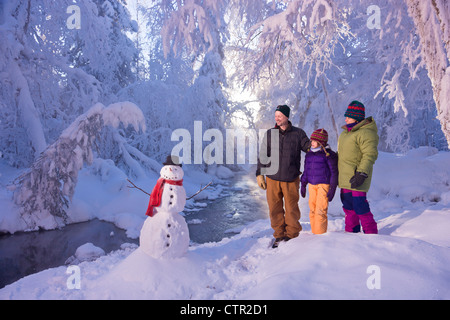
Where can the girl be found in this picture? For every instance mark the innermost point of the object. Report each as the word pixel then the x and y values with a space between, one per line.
pixel 321 172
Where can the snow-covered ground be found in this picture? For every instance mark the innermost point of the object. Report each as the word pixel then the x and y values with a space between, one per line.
pixel 408 259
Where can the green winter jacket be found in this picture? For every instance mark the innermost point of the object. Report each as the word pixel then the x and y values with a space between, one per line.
pixel 357 151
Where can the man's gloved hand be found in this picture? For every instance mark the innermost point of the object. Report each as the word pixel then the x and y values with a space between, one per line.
pixel 358 179
pixel 261 182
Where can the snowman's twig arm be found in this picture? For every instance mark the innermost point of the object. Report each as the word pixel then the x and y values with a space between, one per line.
pixel 199 191
pixel 136 187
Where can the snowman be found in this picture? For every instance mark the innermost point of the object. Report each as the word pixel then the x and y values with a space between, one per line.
pixel 165 233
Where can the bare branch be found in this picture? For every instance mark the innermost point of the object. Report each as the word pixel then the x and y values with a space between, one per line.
pixel 199 191
pixel 136 187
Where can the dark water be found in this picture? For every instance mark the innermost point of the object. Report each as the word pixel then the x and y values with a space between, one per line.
pixel 225 216
pixel 25 253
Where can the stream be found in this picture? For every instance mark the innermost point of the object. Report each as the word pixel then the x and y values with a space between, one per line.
pixel 240 205
pixel 25 253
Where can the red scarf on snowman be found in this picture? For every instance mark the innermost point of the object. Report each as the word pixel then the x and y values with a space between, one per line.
pixel 156 195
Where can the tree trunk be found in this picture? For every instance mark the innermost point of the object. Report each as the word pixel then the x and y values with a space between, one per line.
pixel 28 112
pixel 333 121
pixel 432 25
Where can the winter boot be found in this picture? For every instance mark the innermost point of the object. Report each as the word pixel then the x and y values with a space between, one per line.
pixel 276 242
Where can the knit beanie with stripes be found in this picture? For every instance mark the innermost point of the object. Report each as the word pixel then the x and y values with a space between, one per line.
pixel 321 136
pixel 356 110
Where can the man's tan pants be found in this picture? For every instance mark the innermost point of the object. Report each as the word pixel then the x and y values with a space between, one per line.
pixel 284 221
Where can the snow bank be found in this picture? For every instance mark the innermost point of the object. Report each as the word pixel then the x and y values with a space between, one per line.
pixel 421 175
pixel 331 266
pixel 431 226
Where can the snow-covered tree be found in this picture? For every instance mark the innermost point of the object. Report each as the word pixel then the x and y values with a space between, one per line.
pixel 44 192
pixel 198 28
pixel 196 25
pixel 185 72
pixel 317 56
pixel 314 55
pixel 50 71
pixel 432 21
pixel 101 46
pixel 300 36
pixel 16 99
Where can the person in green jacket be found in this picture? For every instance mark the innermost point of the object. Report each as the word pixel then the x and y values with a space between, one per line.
pixel 357 153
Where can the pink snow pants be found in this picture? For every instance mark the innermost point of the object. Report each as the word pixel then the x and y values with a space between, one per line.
pixel 357 212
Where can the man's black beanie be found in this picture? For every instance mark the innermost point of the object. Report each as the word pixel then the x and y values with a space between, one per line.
pixel 284 109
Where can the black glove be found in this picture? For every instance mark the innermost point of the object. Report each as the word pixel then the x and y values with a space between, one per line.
pixel 358 179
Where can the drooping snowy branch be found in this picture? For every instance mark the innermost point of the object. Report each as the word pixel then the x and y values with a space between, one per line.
pixel 44 192
pixel 304 34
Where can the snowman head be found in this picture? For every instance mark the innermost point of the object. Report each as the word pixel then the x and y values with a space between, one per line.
pixel 172 172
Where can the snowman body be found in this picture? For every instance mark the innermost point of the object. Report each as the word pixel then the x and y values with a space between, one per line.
pixel 166 234
pixel 173 197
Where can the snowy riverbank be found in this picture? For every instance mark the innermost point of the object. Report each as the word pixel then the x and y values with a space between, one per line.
pixel 409 259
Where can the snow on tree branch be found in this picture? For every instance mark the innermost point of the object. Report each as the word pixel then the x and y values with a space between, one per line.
pixel 304 34
pixel 193 24
pixel 45 191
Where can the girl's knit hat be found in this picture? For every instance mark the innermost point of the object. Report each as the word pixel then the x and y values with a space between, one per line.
pixel 321 136
pixel 356 110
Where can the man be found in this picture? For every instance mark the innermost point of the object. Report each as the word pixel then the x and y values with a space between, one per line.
pixel 283 180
